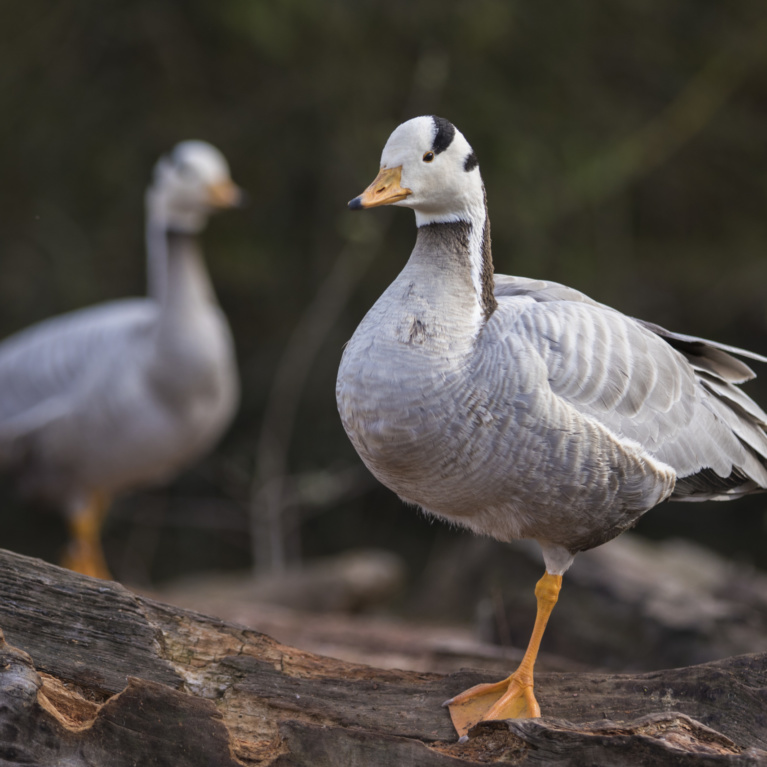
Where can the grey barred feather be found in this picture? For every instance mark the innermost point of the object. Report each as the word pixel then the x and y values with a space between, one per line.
pixel 724 429
pixel 51 359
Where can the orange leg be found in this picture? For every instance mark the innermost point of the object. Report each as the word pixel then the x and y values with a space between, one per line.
pixel 513 697
pixel 84 553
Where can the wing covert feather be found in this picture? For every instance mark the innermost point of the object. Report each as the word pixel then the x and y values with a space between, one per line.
pixel 673 394
pixel 48 361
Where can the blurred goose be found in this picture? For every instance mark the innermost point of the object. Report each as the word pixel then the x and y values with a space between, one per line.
pixel 523 409
pixel 126 393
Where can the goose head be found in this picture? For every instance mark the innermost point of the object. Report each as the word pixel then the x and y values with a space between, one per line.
pixel 429 166
pixel 188 185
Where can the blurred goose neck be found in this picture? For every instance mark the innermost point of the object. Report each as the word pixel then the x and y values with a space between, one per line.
pixel 188 286
pixel 163 219
pixel 180 284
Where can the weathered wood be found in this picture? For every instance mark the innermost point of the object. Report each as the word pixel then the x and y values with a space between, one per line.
pixel 93 631
pixel 93 674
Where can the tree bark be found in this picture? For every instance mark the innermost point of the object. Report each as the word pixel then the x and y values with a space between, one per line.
pixel 92 674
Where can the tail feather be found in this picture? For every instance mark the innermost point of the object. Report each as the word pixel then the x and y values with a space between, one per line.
pixel 719 371
pixel 741 417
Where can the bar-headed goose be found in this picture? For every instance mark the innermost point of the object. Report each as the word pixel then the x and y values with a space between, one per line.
pixel 126 393
pixel 522 408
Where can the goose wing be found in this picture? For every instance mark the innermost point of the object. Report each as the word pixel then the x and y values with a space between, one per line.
pixel 719 359
pixel 675 395
pixel 46 366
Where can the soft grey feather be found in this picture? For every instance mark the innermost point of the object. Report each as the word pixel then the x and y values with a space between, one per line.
pixel 724 429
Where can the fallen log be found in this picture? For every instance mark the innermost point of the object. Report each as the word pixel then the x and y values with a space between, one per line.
pixel 92 674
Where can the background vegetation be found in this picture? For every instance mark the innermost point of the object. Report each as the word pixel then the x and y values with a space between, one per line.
pixel 622 143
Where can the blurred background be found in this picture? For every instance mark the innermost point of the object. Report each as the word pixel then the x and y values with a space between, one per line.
pixel 623 145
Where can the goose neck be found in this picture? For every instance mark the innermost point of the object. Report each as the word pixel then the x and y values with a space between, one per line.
pixel 178 280
pixel 462 242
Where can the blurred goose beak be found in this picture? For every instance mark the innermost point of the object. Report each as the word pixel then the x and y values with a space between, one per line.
pixel 385 189
pixel 226 194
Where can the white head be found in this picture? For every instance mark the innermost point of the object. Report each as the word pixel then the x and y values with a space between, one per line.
pixel 429 166
pixel 189 184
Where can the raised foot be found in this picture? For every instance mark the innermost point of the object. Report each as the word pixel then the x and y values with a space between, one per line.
pixel 511 698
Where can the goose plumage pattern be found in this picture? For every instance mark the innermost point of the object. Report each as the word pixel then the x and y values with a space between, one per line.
pixel 126 393
pixel 520 408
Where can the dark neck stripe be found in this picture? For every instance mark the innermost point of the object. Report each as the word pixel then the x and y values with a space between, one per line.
pixel 470 162
pixel 181 244
pixel 179 235
pixel 489 303
pixel 444 135
pixel 452 239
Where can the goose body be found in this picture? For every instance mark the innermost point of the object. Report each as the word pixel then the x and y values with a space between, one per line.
pixel 127 393
pixel 521 408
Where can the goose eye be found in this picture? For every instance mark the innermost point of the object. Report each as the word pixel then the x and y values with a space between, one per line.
pixel 428 157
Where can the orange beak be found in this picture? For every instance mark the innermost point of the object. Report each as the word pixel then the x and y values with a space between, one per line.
pixel 225 194
pixel 385 189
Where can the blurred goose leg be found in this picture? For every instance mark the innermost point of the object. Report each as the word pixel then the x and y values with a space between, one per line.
pixel 84 553
pixel 513 697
